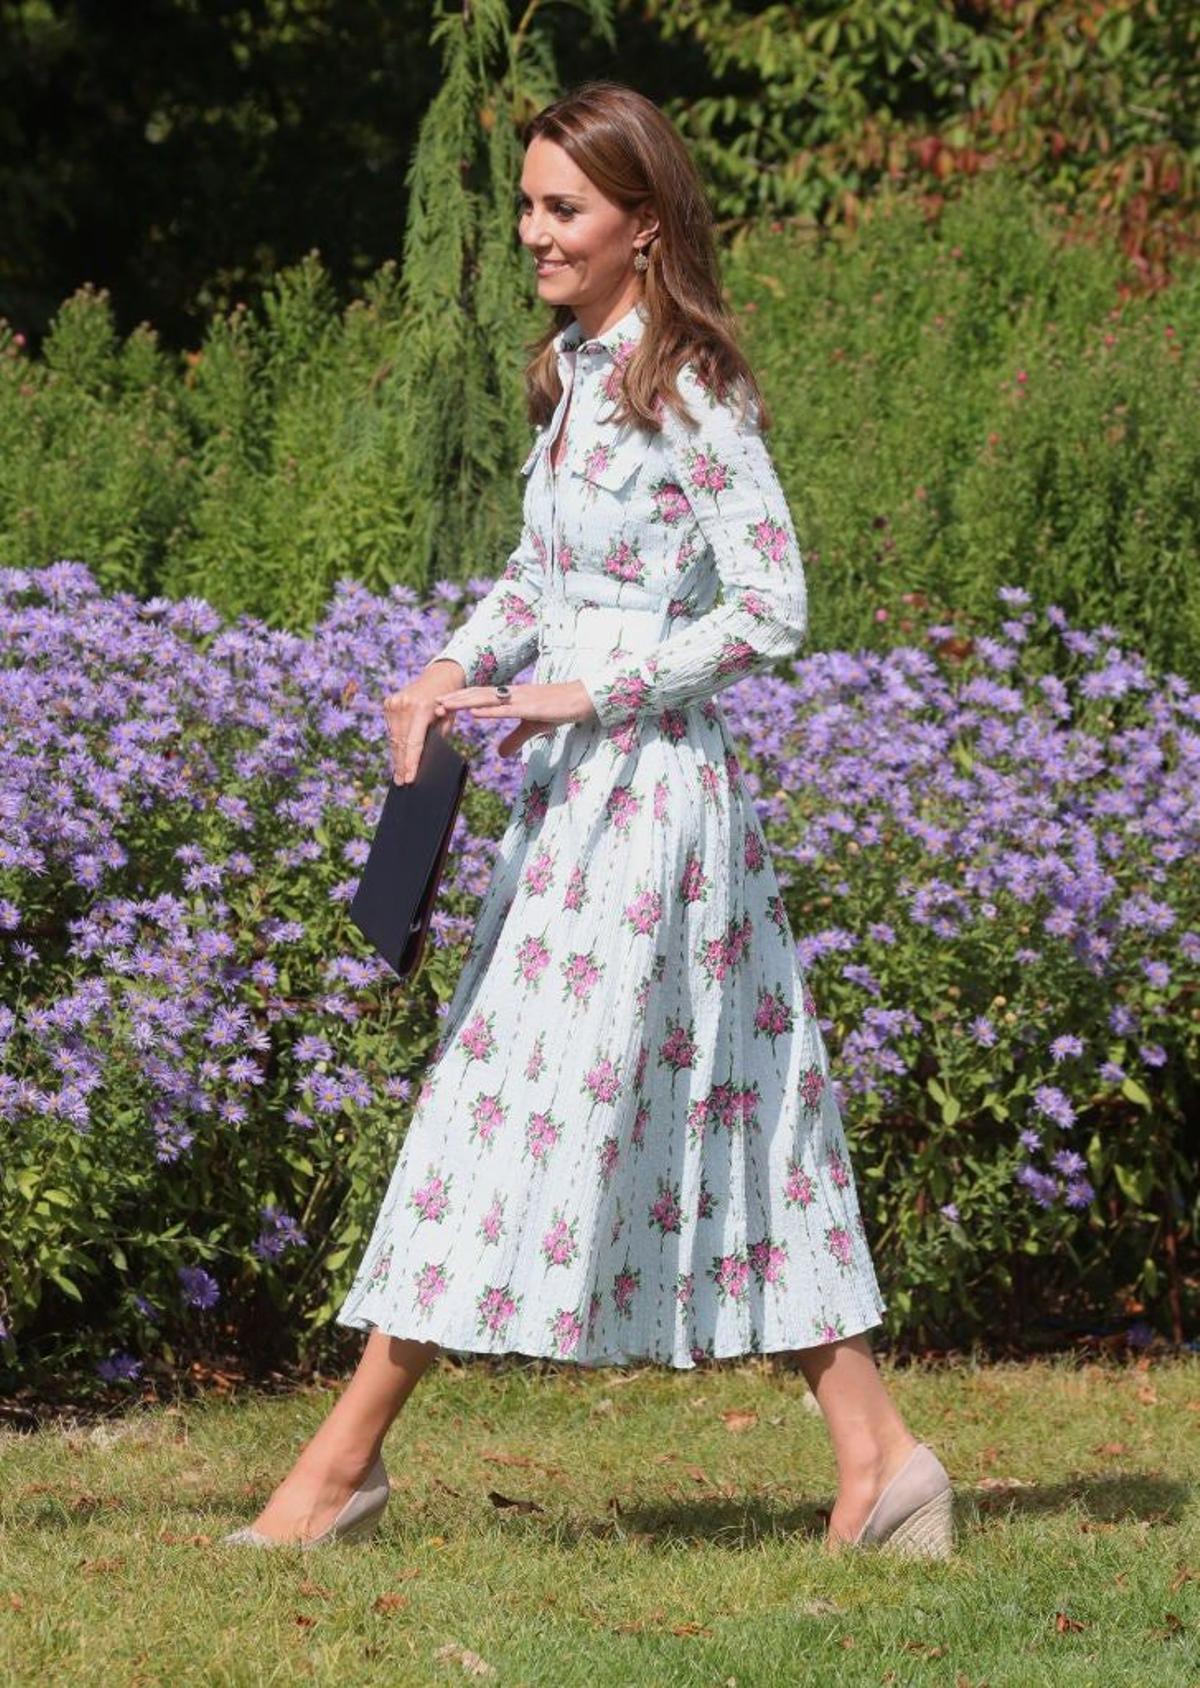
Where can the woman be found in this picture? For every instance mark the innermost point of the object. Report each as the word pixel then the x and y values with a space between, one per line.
pixel 626 1145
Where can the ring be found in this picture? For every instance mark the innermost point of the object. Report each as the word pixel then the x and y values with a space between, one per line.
pixel 502 692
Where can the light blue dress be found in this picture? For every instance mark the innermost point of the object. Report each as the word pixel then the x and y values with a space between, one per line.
pixel 626 1144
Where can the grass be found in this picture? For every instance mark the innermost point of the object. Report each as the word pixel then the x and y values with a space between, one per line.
pixel 555 1526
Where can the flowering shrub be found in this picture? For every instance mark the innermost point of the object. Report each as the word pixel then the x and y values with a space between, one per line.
pixel 987 849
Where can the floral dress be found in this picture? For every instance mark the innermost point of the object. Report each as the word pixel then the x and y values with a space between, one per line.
pixel 626 1145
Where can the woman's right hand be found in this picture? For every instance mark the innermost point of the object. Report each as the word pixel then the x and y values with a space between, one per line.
pixel 411 711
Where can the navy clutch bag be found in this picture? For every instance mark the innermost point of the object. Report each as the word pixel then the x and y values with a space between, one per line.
pixel 396 894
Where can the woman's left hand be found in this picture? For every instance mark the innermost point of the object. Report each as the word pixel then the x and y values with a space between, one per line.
pixel 539 707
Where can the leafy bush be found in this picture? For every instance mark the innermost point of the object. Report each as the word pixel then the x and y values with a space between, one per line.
pixel 987 847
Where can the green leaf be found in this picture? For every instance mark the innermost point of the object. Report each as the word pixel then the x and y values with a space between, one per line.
pixel 64 1284
pixel 1133 1092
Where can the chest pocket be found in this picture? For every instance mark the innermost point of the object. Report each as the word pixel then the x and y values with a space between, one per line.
pixel 612 464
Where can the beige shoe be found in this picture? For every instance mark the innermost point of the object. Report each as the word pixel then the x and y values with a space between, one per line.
pixel 357 1520
pixel 914 1515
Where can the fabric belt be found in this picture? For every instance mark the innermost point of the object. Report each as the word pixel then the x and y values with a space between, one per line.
pixel 597 613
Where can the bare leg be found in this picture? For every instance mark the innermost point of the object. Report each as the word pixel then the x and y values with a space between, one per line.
pixel 334 1461
pixel 870 1439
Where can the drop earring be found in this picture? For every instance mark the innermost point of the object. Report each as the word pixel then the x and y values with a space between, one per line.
pixel 640 260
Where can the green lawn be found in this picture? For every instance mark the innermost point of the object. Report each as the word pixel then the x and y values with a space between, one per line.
pixel 554 1526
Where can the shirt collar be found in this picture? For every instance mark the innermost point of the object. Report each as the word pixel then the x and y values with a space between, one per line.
pixel 628 327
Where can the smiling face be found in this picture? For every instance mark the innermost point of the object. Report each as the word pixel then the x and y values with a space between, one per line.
pixel 583 243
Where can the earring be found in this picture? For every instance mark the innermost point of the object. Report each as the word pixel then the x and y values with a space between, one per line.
pixel 640 260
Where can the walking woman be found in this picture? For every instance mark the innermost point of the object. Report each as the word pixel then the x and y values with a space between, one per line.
pixel 626 1146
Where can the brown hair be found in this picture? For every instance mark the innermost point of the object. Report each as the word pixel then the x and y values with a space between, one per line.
pixel 631 152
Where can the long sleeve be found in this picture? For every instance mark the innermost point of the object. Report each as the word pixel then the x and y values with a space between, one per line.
pixel 500 636
pixel 727 477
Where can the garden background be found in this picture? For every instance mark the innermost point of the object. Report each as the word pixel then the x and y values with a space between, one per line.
pixel 265 319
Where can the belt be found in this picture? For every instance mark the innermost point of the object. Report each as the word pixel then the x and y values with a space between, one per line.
pixel 596 612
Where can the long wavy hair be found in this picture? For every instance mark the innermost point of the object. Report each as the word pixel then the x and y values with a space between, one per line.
pixel 631 152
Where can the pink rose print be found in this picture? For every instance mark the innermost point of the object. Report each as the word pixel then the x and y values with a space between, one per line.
pixel 541 1134
pixel 625 734
pixel 487 1116
pixel 432 1280
pixel 644 912
pixel 622 805
pixel 838 1170
pixel 609 1155
pixel 603 1081
pixel 621 562
pixel 533 957
pixel 718 955
pixel 559 1245
pixel 769 539
pixel 733 770
pixel 672 724
pixel 478 1039
pixel 700 1352
pixel 628 691
pixel 496 1307
pixel 827 1330
pixel 618 1224
pixel 432 1200
pixel 596 461
pixel 574 784
pixel 670 502
pixel 576 889
pixel 710 782
pixel 809 1001
pixel 798 1189
pixel 625 1286
pixel 706 1202
pixel 665 1212
pixel 566 556
pixel 539 875
pixel 533 802
pixel 679 1048
pixel 694 883
pixel 736 657
pixel 754 852
pixel 537 1058
pixel 381 1268
pixel 768 1260
pixel 727 1107
pixel 685 1287
pixel 812 1087
pixel 777 914
pixel 491 1226
pixel 637 1135
pixel 706 472
pixel 662 800
pixel 731 1274
pixel 773 1017
pixel 614 380
pixel 839 1243
pixel 566 1328
pixel 581 974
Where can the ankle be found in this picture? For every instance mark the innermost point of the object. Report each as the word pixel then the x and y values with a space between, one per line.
pixel 875 1460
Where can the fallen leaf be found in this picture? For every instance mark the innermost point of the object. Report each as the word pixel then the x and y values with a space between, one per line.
pixel 312 1590
pixel 926 1649
pixel 303 1620
pixel 737 1418
pixel 1063 1623
pixel 101 1564
pixel 1111 1448
pixel 1148 1395
pixel 690 1629
pixel 603 1408
pixel 389 1602
pixel 497 1499
pixel 471 1662
pixel 1185 1573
